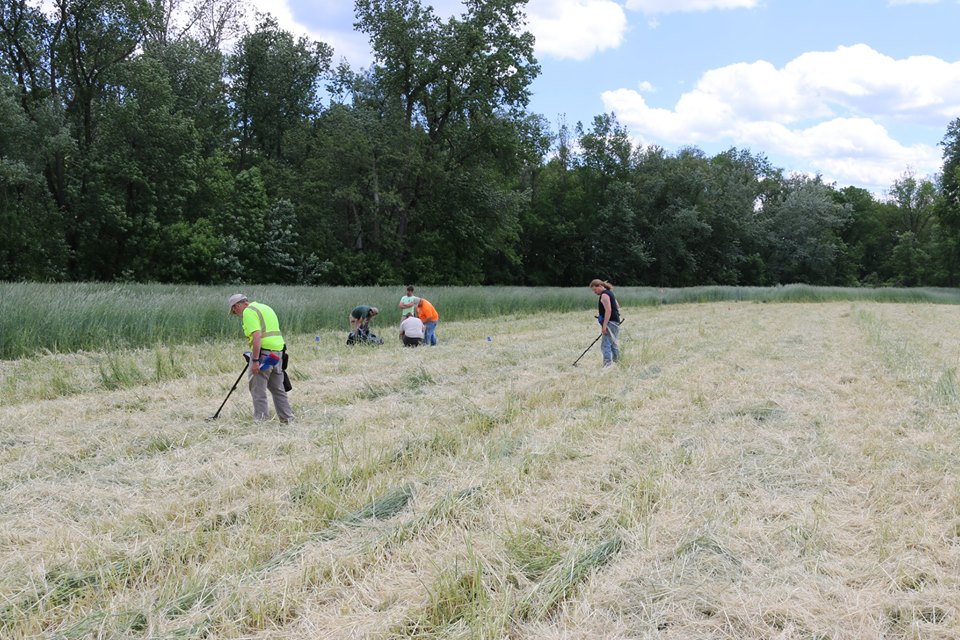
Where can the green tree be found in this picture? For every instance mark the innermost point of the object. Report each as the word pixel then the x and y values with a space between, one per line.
pixel 196 72
pixel 948 206
pixel 914 199
pixel 65 67
pixel 144 164
pixel 33 246
pixel 869 235
pixel 458 90
pixel 208 22
pixel 553 224
pixel 612 226
pixel 910 260
pixel 802 227
pixel 737 182
pixel 274 79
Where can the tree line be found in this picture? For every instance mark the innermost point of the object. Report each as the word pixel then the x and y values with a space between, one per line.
pixel 160 140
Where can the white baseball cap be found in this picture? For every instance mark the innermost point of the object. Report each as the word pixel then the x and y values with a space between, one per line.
pixel 234 299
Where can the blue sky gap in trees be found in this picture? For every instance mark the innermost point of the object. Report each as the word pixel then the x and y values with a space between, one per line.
pixel 858 91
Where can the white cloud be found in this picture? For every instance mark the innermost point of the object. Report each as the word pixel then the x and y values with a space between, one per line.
pixel 678 6
pixel 822 109
pixel 346 44
pixel 571 29
pixel 921 88
pixel 576 29
pixel 279 9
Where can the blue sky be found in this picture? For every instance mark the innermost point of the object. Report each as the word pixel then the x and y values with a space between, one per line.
pixel 859 91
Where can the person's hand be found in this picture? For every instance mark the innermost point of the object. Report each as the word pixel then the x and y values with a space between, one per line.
pixel 603 329
pixel 255 366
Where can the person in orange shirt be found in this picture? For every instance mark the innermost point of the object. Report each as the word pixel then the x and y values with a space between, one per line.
pixel 428 314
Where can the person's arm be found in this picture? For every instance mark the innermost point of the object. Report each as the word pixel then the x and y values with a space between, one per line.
pixel 605 301
pixel 255 340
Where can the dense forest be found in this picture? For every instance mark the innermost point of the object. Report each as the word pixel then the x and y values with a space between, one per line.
pixel 161 140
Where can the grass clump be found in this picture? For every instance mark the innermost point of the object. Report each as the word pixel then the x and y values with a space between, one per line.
pixel 419 378
pixel 456 596
pixel 532 552
pixel 445 510
pixel 62 586
pixel 167 366
pixel 384 507
pixel 768 411
pixel 374 391
pixel 119 372
pixel 563 579
pixel 947 390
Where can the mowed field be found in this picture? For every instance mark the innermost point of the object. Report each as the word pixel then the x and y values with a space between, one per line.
pixel 749 471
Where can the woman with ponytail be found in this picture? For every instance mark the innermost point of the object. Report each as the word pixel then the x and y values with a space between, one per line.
pixel 609 319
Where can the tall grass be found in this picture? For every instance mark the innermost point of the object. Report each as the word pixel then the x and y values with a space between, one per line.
pixel 71 317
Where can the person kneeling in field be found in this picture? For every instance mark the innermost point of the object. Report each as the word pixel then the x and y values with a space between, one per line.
pixel 411 331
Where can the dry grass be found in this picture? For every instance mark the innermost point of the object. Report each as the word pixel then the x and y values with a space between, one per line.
pixel 749 471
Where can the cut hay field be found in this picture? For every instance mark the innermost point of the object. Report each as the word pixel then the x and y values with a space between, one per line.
pixel 749 471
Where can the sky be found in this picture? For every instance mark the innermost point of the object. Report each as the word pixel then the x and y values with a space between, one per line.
pixel 857 91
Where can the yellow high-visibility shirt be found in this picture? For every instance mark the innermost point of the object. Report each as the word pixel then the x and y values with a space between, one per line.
pixel 260 317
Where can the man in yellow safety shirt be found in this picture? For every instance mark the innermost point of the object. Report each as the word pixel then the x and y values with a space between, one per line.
pixel 262 329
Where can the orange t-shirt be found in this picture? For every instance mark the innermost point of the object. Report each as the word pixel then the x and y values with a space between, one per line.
pixel 426 311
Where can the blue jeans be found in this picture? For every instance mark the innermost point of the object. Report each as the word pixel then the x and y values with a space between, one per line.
pixel 429 335
pixel 610 343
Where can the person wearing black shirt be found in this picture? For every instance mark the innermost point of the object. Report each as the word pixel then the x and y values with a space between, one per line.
pixel 609 310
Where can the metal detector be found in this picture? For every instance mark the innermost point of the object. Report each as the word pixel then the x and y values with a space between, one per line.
pixel 233 388
pixel 593 343
pixel 587 349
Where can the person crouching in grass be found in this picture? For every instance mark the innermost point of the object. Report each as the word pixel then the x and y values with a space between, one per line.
pixel 411 331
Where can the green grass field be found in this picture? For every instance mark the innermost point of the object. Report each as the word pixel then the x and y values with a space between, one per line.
pixel 750 470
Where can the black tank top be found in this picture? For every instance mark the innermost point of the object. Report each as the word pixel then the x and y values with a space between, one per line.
pixel 614 307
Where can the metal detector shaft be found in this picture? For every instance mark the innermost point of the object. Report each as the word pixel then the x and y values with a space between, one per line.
pixel 232 389
pixel 591 345
pixel 587 349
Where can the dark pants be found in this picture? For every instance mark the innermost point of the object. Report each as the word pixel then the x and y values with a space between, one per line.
pixel 411 342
